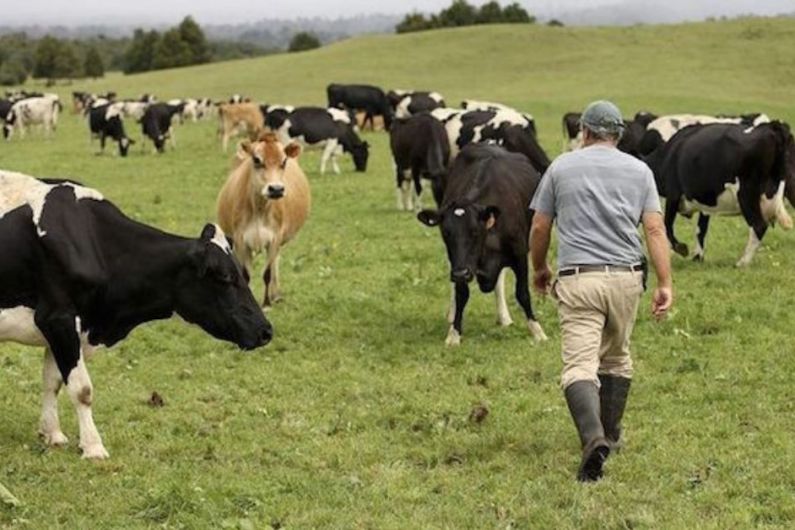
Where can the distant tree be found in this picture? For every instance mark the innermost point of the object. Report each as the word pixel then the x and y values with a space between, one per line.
pixel 490 13
pixel 303 41
pixel 45 57
pixel 93 65
pixel 413 22
pixel 171 51
pixel 140 53
pixel 193 36
pixel 13 71
pixel 67 63
pixel 555 23
pixel 460 13
pixel 516 14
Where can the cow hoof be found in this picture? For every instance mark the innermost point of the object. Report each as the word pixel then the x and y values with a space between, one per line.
pixel 504 321
pixel 742 264
pixel 55 439
pixel 698 258
pixel 681 249
pixel 95 452
pixel 453 338
pixel 537 331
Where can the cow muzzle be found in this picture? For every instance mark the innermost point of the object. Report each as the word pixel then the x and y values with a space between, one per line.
pixel 274 191
pixel 461 275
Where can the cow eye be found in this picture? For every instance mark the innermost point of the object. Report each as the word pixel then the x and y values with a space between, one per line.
pixel 284 162
pixel 258 163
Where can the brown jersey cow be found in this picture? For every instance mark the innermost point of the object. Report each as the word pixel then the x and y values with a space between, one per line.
pixel 264 204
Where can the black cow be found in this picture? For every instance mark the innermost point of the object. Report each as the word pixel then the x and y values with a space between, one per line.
pixel 504 126
pixel 726 169
pixel 572 138
pixel 419 145
pixel 106 121
pixel 632 140
pixel 156 123
pixel 485 223
pixel 406 104
pixel 83 275
pixel 369 99
pixel 330 129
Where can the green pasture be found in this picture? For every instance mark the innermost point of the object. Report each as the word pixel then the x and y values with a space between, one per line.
pixel 357 415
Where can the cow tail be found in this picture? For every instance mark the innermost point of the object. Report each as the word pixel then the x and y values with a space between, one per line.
pixel 436 162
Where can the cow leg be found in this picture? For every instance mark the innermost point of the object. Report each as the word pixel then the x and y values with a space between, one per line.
pixel 328 153
pixel 271 279
pixel 101 143
pixel 369 117
pixel 50 425
pixel 225 140
pixel 754 241
pixel 451 308
pixel 671 209
pixel 399 189
pixel 523 297
pixel 405 190
pixel 416 176
pixel 701 236
pixel 62 334
pixel 752 212
pixel 503 315
pixel 461 299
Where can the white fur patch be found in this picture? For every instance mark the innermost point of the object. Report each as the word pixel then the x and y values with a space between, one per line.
pixel 459 212
pixel 219 240
pixel 17 325
pixel 339 115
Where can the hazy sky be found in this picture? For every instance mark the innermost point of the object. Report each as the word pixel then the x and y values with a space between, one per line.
pixel 71 12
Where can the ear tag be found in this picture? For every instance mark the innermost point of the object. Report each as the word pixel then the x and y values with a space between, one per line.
pixel 459 212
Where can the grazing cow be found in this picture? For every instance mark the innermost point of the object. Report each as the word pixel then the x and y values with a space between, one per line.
pixel 726 169
pixel 634 133
pixel 572 134
pixel 264 204
pixel 238 118
pixel 84 275
pixel 466 127
pixel 369 99
pixel 190 109
pixel 206 108
pixel 420 149
pixel 661 129
pixel 406 104
pixel 237 98
pixel 106 121
pixel 330 129
pixel 27 112
pixel 485 223
pixel 473 104
pixel 156 124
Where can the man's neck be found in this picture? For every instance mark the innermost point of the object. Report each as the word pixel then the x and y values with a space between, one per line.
pixel 601 143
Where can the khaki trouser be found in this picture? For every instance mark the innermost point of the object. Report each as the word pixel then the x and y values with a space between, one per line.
pixel 597 313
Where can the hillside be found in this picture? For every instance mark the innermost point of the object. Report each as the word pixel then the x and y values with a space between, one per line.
pixel 710 67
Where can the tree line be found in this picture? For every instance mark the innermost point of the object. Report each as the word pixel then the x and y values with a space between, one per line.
pixel 462 13
pixel 51 58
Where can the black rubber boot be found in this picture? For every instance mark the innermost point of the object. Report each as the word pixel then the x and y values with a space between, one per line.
pixel 613 396
pixel 583 400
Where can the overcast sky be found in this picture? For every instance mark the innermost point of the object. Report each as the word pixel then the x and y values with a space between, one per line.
pixel 72 12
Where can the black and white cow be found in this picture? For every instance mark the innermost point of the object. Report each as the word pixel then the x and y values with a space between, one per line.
pixel 366 98
pixel 420 149
pixel 329 129
pixel 572 135
pixel 726 169
pixel 406 103
pixel 466 127
pixel 510 113
pixel 634 134
pixel 485 223
pixel 84 275
pixel 156 124
pixel 30 111
pixel 106 122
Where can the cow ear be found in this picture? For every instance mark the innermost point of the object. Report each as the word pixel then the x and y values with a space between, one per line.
pixel 489 215
pixel 244 150
pixel 292 150
pixel 230 242
pixel 208 232
pixel 429 217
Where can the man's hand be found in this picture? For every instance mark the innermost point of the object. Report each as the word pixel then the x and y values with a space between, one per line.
pixel 542 278
pixel 661 302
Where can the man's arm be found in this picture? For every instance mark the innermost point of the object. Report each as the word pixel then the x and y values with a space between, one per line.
pixel 540 235
pixel 657 243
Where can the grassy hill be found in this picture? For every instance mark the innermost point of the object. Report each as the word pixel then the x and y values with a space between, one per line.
pixel 357 416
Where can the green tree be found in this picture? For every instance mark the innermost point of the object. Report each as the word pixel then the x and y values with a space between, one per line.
pixel 555 23
pixel 490 13
pixel 193 36
pixel 140 54
pixel 45 57
pixel 171 51
pixel 303 41
pixel 413 22
pixel 13 71
pixel 460 13
pixel 93 65
pixel 516 14
pixel 67 63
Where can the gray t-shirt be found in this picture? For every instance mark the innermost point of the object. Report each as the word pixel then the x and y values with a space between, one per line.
pixel 597 196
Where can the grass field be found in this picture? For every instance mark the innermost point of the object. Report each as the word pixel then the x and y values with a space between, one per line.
pixel 357 416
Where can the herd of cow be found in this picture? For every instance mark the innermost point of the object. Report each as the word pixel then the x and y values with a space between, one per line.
pixel 85 275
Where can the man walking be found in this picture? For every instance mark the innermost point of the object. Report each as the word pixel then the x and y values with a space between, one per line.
pixel 598 196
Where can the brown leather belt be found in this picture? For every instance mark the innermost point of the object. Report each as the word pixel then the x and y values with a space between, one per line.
pixel 579 269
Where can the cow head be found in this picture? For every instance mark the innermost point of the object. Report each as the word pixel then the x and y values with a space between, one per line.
pixel 212 293
pixel 464 230
pixel 269 161
pixel 8 125
pixel 360 152
pixel 124 145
